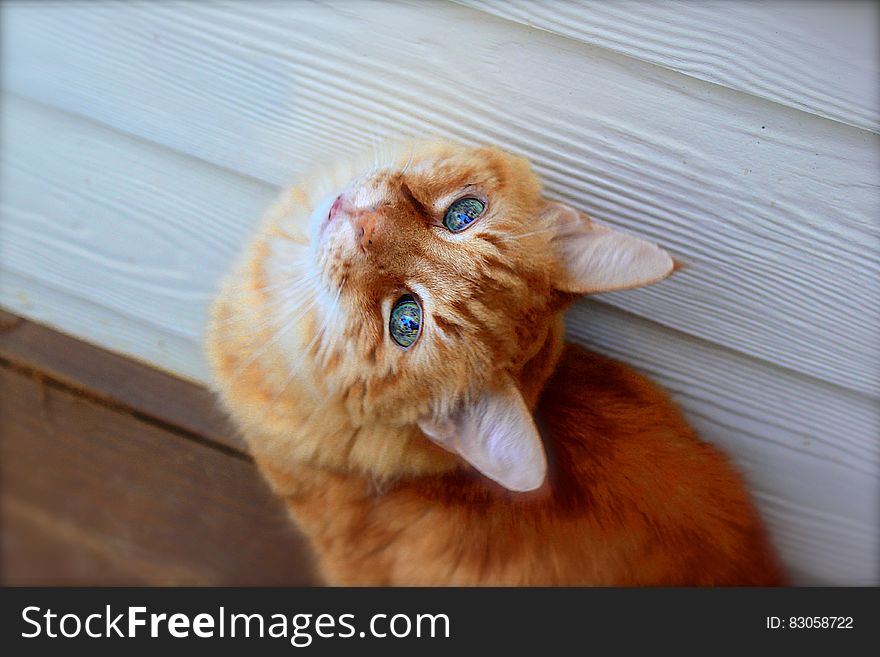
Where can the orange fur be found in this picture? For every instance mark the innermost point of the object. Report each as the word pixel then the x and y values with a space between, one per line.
pixel 333 409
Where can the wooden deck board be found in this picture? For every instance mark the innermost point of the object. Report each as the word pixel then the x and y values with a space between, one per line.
pixel 93 493
pixel 117 379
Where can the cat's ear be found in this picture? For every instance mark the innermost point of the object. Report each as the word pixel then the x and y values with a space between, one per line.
pixel 496 434
pixel 596 258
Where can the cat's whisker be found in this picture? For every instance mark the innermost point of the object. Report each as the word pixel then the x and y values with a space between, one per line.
pixel 534 229
pixel 412 152
pixel 286 293
pixel 511 237
pixel 288 321
pixel 298 240
pixel 331 319
pixel 294 367
pixel 251 327
pixel 302 283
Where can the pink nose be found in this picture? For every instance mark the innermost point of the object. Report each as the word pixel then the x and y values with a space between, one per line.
pixel 365 221
pixel 365 225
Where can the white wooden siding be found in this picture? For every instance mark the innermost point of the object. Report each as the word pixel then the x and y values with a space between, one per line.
pixel 752 46
pixel 141 141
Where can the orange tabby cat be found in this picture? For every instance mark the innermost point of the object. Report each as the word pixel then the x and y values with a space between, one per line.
pixel 391 345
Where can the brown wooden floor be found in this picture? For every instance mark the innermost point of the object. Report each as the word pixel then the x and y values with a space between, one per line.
pixel 114 473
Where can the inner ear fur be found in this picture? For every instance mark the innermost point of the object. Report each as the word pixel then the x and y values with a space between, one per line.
pixel 496 434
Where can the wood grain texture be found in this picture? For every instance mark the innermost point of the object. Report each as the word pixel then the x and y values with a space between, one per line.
pixel 94 496
pixel 820 57
pixel 118 239
pixel 119 381
pixel 772 208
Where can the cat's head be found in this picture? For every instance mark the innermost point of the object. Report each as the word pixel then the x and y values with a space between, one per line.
pixel 440 273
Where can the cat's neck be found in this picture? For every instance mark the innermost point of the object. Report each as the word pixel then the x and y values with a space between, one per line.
pixel 315 430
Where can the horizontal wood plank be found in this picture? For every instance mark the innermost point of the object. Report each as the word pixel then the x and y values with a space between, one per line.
pixel 820 57
pixel 91 495
pixel 129 245
pixel 39 549
pixel 122 381
pixel 771 208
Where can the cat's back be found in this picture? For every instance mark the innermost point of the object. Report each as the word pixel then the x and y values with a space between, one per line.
pixel 625 456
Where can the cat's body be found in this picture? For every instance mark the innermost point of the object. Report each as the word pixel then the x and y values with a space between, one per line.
pixel 348 426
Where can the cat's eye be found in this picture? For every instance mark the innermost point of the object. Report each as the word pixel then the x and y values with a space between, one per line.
pixel 463 213
pixel 406 321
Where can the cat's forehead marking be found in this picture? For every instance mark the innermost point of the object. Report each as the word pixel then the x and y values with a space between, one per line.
pixel 369 193
pixel 423 167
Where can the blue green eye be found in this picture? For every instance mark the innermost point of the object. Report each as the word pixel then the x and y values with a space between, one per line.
pixel 463 213
pixel 406 321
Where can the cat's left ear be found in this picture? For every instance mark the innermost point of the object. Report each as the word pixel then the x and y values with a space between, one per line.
pixel 596 258
pixel 496 434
